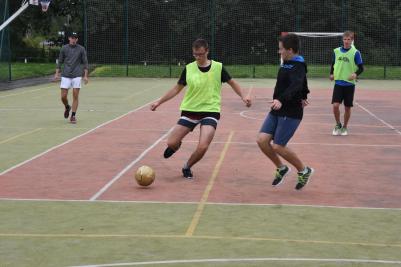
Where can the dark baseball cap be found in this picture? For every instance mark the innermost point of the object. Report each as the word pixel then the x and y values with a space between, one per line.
pixel 73 34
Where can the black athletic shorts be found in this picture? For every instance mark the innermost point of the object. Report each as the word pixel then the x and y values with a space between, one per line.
pixel 191 119
pixel 343 93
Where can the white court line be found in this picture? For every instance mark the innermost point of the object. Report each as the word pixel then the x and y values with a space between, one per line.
pixel 19 135
pixel 243 260
pixel 58 109
pixel 244 115
pixel 196 203
pixel 302 144
pixel 26 92
pixel 73 139
pixel 129 166
pixel 374 116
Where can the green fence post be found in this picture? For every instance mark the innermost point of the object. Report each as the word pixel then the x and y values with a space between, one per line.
pixel 170 37
pixel 85 25
pixel 126 36
pixel 298 15
pixel 385 71
pixel 8 43
pixel 213 28
pixel 398 42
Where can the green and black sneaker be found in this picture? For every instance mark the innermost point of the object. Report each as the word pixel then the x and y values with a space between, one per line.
pixel 344 131
pixel 280 174
pixel 304 177
pixel 337 129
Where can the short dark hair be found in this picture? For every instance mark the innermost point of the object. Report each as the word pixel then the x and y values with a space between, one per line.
pixel 198 43
pixel 290 40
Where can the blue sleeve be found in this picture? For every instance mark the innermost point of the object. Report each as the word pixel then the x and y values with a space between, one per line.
pixel 358 58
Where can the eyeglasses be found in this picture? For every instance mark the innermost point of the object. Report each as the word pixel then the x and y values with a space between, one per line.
pixel 199 54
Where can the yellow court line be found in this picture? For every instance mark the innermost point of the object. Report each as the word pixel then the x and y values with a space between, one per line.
pixel 205 237
pixel 26 92
pixel 205 196
pixel 143 91
pixel 19 135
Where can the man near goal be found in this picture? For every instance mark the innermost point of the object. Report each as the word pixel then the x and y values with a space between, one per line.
pixel 347 65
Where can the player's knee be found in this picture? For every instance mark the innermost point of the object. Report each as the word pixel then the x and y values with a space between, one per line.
pixel 262 140
pixel 277 148
pixel 336 105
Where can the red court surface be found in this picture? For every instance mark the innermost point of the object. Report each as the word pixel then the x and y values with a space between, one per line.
pixel 359 170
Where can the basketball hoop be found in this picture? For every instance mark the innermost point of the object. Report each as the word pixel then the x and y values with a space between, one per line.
pixel 45 4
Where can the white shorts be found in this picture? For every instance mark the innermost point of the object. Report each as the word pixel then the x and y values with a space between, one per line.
pixel 67 83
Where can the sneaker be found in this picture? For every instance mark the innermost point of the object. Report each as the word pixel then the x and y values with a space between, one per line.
pixel 67 111
pixel 303 178
pixel 169 151
pixel 337 129
pixel 344 131
pixel 73 120
pixel 187 173
pixel 280 174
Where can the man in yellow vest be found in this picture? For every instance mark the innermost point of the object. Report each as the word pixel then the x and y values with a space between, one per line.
pixel 201 103
pixel 346 67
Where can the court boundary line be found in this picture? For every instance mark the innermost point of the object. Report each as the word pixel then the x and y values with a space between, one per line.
pixel 27 92
pixel 227 260
pixel 205 237
pixel 129 166
pixel 75 138
pixel 193 203
pixel 19 135
pixel 301 144
pixel 244 115
pixel 201 206
pixel 379 119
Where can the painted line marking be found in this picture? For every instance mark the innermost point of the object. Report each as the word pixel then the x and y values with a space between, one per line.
pixel 129 97
pixel 129 166
pixel 20 135
pixel 73 139
pixel 165 262
pixel 301 144
pixel 379 119
pixel 201 206
pixel 205 237
pixel 26 92
pixel 196 203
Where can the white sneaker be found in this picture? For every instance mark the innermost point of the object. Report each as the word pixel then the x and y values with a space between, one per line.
pixel 344 131
pixel 337 129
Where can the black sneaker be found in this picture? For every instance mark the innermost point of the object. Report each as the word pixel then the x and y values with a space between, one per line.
pixel 303 178
pixel 169 152
pixel 187 173
pixel 67 111
pixel 280 174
